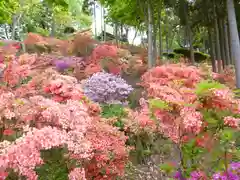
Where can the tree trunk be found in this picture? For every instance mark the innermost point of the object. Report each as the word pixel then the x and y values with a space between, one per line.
pixel 159 32
pixel 116 33
pixel 234 39
pixel 6 31
pixel 167 34
pixel 121 32
pixel 191 45
pixel 226 44
pixel 185 35
pixel 221 33
pixel 218 49
pixel 52 26
pixel 150 35
pixel 189 31
pixel 102 33
pixel 14 23
pixel 104 26
pixel 154 37
pixel 95 18
pixel 230 46
pixel 135 35
pixel 127 31
pixel 212 50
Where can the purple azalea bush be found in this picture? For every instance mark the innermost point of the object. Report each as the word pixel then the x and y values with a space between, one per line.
pixel 233 173
pixel 103 87
pixel 67 62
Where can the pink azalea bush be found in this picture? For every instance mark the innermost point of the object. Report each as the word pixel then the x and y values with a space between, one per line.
pixel 50 111
pixel 197 115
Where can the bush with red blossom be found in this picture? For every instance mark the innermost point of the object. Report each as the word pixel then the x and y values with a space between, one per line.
pixel 88 140
pixel 200 116
pixel 33 120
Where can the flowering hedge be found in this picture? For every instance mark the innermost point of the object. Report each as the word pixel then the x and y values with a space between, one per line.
pixel 33 121
pixel 201 117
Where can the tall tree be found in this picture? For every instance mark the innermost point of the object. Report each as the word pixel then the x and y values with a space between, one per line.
pixel 235 45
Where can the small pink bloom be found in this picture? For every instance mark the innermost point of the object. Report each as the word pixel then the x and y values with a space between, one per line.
pixel 8 132
pixel 3 175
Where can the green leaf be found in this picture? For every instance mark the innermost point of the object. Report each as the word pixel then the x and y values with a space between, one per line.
pixel 227 135
pixel 204 86
pixel 159 104
pixel 167 168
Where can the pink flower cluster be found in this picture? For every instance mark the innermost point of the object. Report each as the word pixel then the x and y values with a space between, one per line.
pixel 189 76
pixel 175 85
pixel 104 51
pixel 24 154
pixel 64 88
pixel 75 124
pixel 87 138
pixel 232 122
pixel 15 72
pixel 77 174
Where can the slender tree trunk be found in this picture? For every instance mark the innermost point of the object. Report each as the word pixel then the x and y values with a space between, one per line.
pixel 102 33
pixel 154 45
pixel 154 37
pixel 135 35
pixel 52 26
pixel 167 33
pixel 6 31
pixel 191 45
pixel 104 26
pixel 230 46
pixel 121 30
pixel 167 45
pixel 116 33
pixel 226 44
pixel 189 31
pixel 234 39
pixel 185 34
pixel 127 31
pixel 95 18
pixel 14 23
pixel 150 35
pixel 221 35
pixel 218 49
pixel 159 32
pixel 212 50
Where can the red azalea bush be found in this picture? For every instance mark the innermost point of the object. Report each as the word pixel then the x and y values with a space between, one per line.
pixel 175 87
pixel 226 77
pixel 31 122
pixel 172 73
pixel 194 113
pixel 88 140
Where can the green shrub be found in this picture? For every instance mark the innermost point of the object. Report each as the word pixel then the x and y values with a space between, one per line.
pixel 184 51
pixel 169 55
pixel 199 56
pixel 114 110
pixel 55 165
